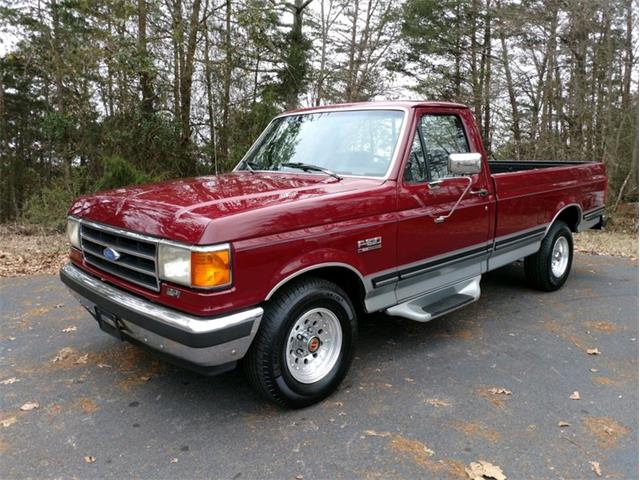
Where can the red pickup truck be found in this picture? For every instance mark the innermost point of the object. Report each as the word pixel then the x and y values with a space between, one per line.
pixel 334 212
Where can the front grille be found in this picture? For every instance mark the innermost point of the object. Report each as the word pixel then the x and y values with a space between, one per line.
pixel 137 261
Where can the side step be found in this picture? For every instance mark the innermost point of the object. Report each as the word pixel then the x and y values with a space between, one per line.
pixel 434 304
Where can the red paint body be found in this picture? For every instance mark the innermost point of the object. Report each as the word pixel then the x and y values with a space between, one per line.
pixel 280 223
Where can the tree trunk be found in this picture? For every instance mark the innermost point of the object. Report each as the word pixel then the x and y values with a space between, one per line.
pixel 60 95
pixel 146 84
pixel 324 33
pixel 6 164
pixel 548 85
pixel 177 38
pixel 352 54
pixel 209 89
pixel 476 80
pixel 457 82
pixel 515 114
pixel 226 86
pixel 186 80
pixel 628 48
pixel 486 91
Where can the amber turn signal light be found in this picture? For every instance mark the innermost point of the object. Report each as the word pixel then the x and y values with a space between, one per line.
pixel 210 269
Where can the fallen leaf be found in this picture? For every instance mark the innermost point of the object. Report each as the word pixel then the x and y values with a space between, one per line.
pixel 594 370
pixel 7 422
pixel 29 406
pixel 89 459
pixel 575 395
pixel 499 391
pixel 9 381
pixel 562 423
pixel 434 402
pixel 145 378
pixel 593 351
pixel 410 380
pixel 373 433
pixel 104 365
pixel 299 477
pixel 595 467
pixel 482 470
pixel 69 329
pixel 174 460
pixel 63 354
pixel 82 359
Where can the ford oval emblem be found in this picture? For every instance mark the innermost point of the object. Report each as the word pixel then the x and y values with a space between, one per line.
pixel 111 254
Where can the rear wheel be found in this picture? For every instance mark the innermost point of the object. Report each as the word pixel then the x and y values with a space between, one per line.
pixel 305 343
pixel 549 268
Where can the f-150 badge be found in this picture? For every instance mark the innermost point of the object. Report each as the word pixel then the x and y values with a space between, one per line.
pixel 369 244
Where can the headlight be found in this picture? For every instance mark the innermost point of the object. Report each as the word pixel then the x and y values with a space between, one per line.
pixel 201 267
pixel 73 232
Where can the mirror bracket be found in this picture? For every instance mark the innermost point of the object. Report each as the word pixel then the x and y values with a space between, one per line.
pixel 442 218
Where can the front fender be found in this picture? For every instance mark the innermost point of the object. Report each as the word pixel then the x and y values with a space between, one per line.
pixel 313 260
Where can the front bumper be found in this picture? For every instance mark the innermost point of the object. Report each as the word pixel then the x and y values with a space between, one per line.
pixel 207 345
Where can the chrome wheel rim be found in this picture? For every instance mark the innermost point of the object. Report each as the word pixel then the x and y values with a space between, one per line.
pixel 560 257
pixel 313 345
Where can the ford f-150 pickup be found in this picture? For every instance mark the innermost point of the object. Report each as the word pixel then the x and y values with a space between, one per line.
pixel 334 212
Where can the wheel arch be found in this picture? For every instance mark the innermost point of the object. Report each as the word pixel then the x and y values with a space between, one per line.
pixel 344 275
pixel 570 214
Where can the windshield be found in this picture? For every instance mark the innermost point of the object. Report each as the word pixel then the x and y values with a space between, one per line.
pixel 357 143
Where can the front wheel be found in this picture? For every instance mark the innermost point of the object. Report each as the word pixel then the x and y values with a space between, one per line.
pixel 549 268
pixel 305 343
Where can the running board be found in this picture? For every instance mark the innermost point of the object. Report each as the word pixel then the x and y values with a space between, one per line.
pixel 434 304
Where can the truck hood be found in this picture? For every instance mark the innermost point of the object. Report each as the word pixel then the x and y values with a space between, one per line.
pixel 215 209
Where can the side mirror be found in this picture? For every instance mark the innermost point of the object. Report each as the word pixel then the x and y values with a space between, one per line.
pixel 465 163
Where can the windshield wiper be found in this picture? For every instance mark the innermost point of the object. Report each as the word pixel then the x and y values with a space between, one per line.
pixel 307 167
pixel 251 166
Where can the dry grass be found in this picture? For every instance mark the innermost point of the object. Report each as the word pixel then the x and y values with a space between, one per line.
pixel 27 250
pixel 618 244
pixel 620 239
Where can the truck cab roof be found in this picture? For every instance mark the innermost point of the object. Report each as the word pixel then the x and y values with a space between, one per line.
pixel 385 104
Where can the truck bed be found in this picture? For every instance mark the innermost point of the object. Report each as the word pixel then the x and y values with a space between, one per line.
pixel 506 166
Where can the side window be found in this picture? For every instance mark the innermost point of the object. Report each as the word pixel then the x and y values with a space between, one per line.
pixel 442 134
pixel 415 171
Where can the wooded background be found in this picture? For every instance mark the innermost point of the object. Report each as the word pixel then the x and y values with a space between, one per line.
pixel 101 93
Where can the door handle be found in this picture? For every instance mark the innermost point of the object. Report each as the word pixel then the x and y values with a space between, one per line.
pixel 434 184
pixel 483 192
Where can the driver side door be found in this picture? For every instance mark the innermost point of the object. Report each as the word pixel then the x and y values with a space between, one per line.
pixel 432 255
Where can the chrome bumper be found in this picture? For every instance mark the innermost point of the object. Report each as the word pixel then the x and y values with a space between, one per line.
pixel 195 342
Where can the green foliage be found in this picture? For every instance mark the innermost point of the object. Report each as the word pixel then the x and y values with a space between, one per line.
pixel 118 173
pixel 294 75
pixel 48 207
pixel 249 124
pixel 152 143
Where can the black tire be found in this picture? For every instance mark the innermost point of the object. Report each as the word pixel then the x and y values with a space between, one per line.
pixel 265 364
pixel 537 267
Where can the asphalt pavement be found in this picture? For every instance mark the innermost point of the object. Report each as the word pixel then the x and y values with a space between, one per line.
pixel 491 382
